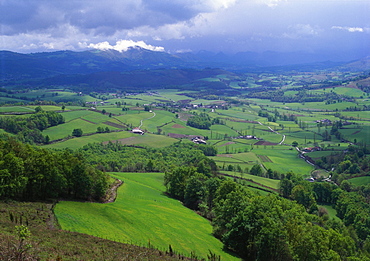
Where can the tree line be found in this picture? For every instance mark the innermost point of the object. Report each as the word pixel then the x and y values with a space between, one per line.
pixel 31 173
pixel 29 128
pixel 118 157
pixel 268 227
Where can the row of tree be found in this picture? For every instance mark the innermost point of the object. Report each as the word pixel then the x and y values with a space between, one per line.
pixel 118 157
pixel 30 173
pixel 264 227
pixel 28 128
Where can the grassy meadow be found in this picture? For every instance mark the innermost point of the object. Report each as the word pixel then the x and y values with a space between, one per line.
pixel 143 214
pixel 359 181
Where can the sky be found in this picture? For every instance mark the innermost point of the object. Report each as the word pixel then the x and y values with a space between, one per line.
pixel 173 26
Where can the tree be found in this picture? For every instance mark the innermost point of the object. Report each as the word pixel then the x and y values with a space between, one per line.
pixel 38 109
pixel 176 181
pixel 303 196
pixel 294 144
pixel 77 132
pixel 194 191
pixel 256 170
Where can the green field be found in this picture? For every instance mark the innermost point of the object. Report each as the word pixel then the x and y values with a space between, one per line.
pixel 8 109
pixel 124 137
pixel 143 214
pixel 331 211
pixel 359 181
pixel 284 160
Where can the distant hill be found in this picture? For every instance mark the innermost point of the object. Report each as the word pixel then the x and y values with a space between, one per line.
pixel 359 65
pixel 135 80
pixel 16 65
pixel 141 68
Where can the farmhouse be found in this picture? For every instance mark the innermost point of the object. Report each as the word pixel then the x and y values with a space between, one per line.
pixel 312 149
pixel 324 121
pixel 248 137
pixel 137 131
pixel 198 140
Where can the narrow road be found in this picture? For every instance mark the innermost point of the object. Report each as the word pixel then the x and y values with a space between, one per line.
pixel 141 121
pixel 282 140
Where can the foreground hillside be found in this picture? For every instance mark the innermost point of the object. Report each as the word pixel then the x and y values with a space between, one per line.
pixel 48 242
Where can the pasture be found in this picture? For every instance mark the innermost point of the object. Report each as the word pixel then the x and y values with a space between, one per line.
pixel 359 181
pixel 123 137
pixel 8 109
pixel 142 214
pixel 284 160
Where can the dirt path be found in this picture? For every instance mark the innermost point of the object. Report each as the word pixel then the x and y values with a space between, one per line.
pixel 283 136
pixel 113 191
pixel 141 121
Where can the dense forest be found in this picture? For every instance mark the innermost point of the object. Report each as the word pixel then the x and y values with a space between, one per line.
pixel 29 128
pixel 276 228
pixel 118 157
pixel 31 173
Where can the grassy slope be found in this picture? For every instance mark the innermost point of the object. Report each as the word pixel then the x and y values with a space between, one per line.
pixel 49 243
pixel 360 180
pixel 141 214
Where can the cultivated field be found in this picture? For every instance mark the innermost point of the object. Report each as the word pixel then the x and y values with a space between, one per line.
pixel 143 215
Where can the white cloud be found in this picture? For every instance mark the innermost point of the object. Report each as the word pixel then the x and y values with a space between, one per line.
pixel 349 29
pixel 302 31
pixel 124 45
pixel 271 3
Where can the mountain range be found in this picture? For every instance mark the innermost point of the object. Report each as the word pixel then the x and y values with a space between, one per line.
pixel 138 67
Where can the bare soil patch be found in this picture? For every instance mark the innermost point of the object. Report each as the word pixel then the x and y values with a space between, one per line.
pixel 87 121
pixel 264 158
pixel 355 132
pixel 112 124
pixel 262 142
pixel 225 155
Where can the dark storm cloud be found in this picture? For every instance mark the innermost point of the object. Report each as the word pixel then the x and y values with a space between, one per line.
pixel 105 17
pixel 217 25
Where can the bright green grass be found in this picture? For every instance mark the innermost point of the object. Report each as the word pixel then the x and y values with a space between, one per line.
pixel 272 183
pixel 142 214
pixel 249 157
pixel 284 160
pixel 361 135
pixel 71 115
pixel 290 93
pixel 150 140
pixel 63 130
pixel 76 143
pixel 45 107
pixel 96 117
pixel 15 109
pixel 319 154
pixel 174 95
pixel 331 211
pixel 160 118
pixel 360 180
pixel 223 129
pixel 226 158
pixel 134 117
pixel 249 116
pixel 231 147
pixel 357 114
pixel 344 91
pixel 125 137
